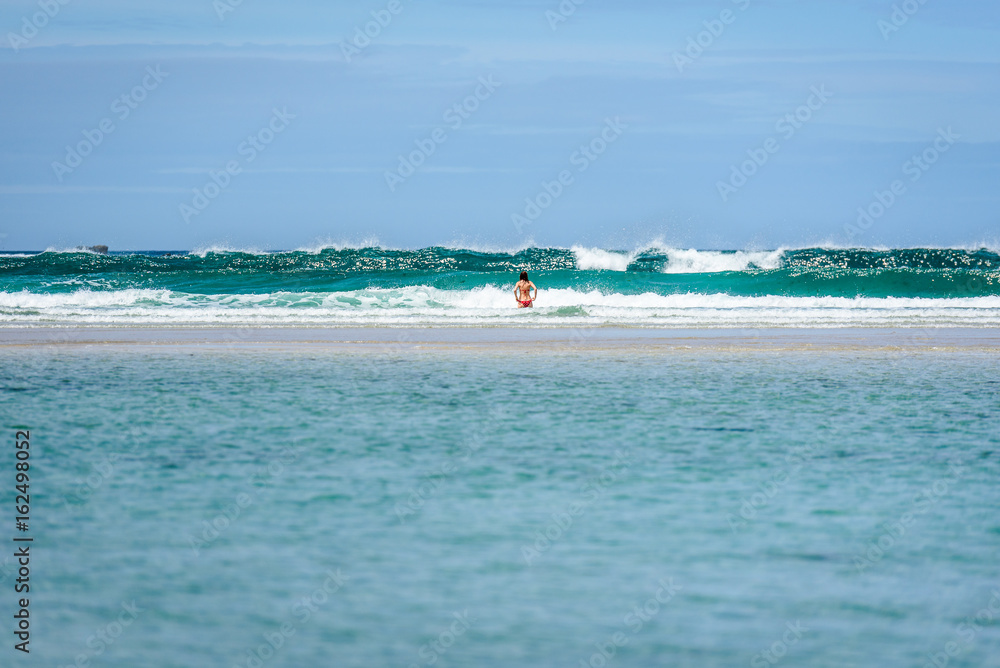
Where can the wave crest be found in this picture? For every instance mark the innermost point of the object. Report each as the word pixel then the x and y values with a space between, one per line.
pixel 589 259
pixel 710 262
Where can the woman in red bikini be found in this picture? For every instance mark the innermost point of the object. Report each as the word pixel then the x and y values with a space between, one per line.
pixel 522 293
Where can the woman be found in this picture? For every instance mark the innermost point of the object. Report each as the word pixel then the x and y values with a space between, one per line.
pixel 523 292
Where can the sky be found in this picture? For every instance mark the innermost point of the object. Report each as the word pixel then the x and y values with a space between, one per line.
pixel 497 124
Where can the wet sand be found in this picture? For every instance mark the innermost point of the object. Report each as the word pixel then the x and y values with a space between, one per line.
pixel 500 339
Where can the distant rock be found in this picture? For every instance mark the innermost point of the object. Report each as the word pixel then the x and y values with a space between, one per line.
pixel 103 250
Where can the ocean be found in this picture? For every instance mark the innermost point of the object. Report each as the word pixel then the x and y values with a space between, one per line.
pixel 507 508
pixel 653 287
pixel 359 457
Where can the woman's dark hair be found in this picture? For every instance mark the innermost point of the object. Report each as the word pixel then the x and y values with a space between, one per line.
pixel 524 275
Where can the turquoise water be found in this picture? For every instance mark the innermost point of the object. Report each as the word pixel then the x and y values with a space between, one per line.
pixel 651 287
pixel 738 500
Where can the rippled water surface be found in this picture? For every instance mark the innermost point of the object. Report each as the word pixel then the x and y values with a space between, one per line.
pixel 459 508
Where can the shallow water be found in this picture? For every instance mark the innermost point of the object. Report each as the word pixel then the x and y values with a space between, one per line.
pixel 749 492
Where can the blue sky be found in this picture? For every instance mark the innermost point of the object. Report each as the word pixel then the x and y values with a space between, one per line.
pixel 644 125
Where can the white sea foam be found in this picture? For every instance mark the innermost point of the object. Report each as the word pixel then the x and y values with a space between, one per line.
pixel 223 249
pixel 490 249
pixel 81 249
pixel 321 245
pixel 594 258
pixel 487 306
pixel 82 299
pixel 706 262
